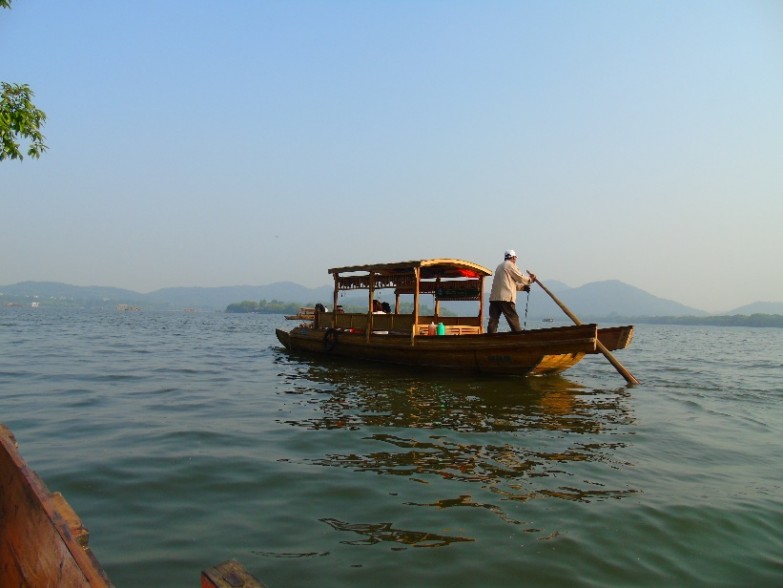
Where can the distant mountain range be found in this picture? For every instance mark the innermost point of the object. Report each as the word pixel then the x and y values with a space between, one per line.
pixel 610 299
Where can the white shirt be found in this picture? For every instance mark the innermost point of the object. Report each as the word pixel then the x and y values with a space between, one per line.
pixel 507 281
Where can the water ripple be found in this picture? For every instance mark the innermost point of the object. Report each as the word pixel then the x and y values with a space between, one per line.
pixel 202 440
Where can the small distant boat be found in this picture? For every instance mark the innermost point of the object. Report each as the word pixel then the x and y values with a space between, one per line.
pixel 410 339
pixel 306 313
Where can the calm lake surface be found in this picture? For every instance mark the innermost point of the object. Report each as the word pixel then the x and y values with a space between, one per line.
pixel 185 439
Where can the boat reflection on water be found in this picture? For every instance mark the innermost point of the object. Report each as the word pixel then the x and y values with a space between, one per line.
pixel 378 532
pixel 381 396
pixel 485 440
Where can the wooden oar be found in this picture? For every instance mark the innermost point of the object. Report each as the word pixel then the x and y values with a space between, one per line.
pixel 629 377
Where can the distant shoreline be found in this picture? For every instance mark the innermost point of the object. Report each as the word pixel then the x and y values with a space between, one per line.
pixel 737 320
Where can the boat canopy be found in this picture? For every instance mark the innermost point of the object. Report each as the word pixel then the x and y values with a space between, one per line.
pixel 445 278
pixel 430 269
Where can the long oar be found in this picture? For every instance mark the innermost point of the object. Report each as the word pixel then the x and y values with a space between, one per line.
pixel 629 377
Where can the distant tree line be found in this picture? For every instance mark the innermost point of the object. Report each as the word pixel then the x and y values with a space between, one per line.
pixel 264 307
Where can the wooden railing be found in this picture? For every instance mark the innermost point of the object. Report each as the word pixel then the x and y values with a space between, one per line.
pixel 397 323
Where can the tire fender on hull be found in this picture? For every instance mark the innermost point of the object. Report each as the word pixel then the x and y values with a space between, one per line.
pixel 330 339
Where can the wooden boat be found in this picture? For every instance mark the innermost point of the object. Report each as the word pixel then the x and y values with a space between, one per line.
pixel 406 339
pixel 43 543
pixel 306 313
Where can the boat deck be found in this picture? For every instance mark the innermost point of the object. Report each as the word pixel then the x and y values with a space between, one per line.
pixel 532 352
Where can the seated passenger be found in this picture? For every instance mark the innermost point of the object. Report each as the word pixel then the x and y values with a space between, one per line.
pixel 378 309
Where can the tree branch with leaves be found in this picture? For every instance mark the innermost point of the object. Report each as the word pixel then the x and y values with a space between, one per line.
pixel 20 119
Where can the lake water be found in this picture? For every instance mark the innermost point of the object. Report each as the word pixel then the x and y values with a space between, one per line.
pixel 185 439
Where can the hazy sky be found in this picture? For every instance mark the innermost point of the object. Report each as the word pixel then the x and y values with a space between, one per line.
pixel 196 143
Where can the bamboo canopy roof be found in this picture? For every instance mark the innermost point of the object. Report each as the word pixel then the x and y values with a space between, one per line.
pixel 429 268
pixel 446 278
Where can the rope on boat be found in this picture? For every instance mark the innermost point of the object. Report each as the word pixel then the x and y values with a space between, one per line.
pixel 527 303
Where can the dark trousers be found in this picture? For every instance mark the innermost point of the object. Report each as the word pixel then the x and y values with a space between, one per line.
pixel 508 310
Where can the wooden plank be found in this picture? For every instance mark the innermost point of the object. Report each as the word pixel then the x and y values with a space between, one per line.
pixel 42 541
pixel 615 337
pixel 69 516
pixel 229 574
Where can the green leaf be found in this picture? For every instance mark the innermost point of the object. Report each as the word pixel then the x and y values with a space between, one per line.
pixel 20 120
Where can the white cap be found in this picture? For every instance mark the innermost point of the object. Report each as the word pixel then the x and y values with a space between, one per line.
pixel 510 253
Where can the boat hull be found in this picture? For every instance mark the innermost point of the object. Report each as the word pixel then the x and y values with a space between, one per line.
pixel 42 540
pixel 534 352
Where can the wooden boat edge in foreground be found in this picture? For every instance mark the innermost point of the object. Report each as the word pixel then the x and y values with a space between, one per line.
pixel 42 541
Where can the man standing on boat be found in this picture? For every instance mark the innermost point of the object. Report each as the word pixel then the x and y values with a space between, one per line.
pixel 508 280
